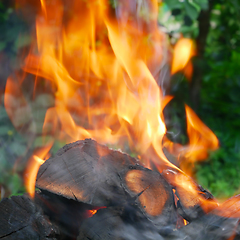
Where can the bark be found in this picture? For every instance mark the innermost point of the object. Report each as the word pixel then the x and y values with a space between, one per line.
pixel 21 218
pixel 118 224
pixel 93 174
pixel 199 61
pixel 138 202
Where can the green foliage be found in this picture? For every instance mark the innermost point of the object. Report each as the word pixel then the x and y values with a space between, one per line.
pixel 220 106
pixel 220 103
pixel 220 173
pixel 13 147
pixel 14 32
pixel 180 16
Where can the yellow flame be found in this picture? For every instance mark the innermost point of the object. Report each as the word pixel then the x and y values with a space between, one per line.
pixel 183 51
pixel 103 63
pixel 34 162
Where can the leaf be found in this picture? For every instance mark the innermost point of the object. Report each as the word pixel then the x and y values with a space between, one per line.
pixel 2 45
pixel 3 160
pixel 191 10
pixel 4 130
pixel 41 141
pixel 173 4
pixel 15 183
pixel 3 114
pixel 22 41
pixel 18 148
pixel 56 146
pixel 203 4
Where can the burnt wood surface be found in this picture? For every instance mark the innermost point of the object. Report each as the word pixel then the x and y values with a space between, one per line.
pixel 129 224
pixel 123 223
pixel 208 227
pixel 66 213
pixel 132 202
pixel 91 173
pixel 87 172
pixel 190 199
pixel 21 218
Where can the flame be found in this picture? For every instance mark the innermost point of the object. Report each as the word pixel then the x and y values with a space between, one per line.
pixel 103 72
pixel 183 51
pixel 188 192
pixel 34 162
pixel 230 208
pixel 102 63
pixel 201 141
pixel 201 138
pixel 92 212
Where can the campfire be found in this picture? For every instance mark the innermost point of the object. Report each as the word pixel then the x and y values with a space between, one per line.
pixel 102 61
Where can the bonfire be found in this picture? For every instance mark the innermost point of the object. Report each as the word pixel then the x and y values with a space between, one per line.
pixel 102 61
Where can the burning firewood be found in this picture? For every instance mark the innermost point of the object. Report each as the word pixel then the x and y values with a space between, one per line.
pixel 192 200
pixel 88 191
pixel 118 223
pixel 66 213
pixel 21 218
pixel 86 172
pixel 93 174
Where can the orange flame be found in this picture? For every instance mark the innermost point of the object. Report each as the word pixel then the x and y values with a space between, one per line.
pixel 183 51
pixel 35 161
pixel 201 141
pixel 111 63
pixel 201 138
pixel 230 208
pixel 92 212
pixel 102 62
pixel 188 191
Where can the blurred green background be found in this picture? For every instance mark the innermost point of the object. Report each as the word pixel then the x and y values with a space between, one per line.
pixel 213 92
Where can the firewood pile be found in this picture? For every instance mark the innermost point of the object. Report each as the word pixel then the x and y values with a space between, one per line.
pixel 90 192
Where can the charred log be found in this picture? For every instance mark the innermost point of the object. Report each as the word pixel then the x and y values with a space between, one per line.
pixel 93 174
pixel 66 213
pixel 123 223
pixel 152 194
pixel 210 227
pixel 21 218
pixel 129 202
pixel 191 199
pixel 86 172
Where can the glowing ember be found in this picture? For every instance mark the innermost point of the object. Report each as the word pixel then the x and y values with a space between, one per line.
pixel 185 222
pixel 92 212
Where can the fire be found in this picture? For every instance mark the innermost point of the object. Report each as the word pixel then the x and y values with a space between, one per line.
pixel 92 212
pixel 35 161
pixel 183 51
pixel 185 222
pixel 188 191
pixel 102 62
pixel 201 138
pixel 201 141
